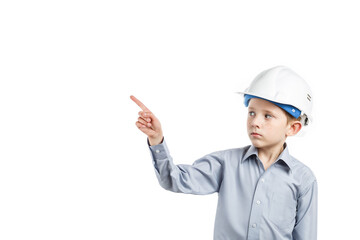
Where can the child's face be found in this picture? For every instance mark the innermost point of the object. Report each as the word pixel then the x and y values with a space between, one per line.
pixel 266 124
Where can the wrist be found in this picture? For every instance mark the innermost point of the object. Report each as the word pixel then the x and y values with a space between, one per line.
pixel 156 141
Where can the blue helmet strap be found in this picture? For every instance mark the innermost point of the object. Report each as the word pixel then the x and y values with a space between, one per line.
pixel 293 111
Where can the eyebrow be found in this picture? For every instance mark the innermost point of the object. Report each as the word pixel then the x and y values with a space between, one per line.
pixel 270 112
pixel 266 111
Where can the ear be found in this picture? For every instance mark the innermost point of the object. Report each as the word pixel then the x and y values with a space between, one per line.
pixel 293 128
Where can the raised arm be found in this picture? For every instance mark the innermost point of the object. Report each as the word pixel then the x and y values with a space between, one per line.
pixel 202 177
pixel 148 123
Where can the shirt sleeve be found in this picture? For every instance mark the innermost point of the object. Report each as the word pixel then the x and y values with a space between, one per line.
pixel 202 177
pixel 306 218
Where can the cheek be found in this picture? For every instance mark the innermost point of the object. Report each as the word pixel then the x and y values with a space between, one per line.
pixel 248 122
pixel 281 131
pixel 274 130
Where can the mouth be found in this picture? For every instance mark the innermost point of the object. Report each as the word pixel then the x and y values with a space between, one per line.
pixel 254 134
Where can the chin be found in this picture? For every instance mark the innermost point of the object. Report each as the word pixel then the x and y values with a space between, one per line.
pixel 256 143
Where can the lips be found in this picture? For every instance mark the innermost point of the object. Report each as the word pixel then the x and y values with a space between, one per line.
pixel 255 134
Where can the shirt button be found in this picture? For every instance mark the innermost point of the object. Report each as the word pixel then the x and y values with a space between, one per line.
pixel 262 180
pixel 157 151
pixel 254 225
pixel 258 202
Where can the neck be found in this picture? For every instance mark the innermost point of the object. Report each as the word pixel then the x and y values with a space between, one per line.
pixel 269 155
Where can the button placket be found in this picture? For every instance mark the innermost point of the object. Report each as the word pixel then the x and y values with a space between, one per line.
pixel 257 209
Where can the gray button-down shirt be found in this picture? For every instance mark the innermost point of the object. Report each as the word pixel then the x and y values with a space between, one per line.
pixel 253 204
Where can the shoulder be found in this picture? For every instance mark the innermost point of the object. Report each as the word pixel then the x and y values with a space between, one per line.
pixel 233 151
pixel 303 174
pixel 231 154
pixel 302 169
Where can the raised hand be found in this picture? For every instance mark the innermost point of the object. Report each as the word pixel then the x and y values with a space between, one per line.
pixel 148 123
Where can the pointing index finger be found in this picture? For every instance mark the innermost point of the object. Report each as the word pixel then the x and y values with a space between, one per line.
pixel 139 103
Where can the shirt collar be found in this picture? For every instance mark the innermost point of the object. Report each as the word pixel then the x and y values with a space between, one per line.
pixel 251 151
pixel 284 156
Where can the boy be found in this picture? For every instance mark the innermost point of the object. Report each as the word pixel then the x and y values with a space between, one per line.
pixel 263 192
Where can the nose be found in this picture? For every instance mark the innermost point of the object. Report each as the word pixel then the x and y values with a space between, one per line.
pixel 255 122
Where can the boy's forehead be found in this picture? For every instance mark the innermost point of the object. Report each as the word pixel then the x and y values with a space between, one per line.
pixel 257 103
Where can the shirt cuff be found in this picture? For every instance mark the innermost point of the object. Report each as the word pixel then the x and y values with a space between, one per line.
pixel 160 151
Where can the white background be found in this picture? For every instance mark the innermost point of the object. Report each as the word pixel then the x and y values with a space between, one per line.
pixel 74 166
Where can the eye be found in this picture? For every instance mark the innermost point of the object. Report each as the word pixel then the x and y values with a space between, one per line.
pixel 268 116
pixel 251 114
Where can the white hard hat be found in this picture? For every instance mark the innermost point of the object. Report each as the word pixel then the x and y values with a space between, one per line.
pixel 282 85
